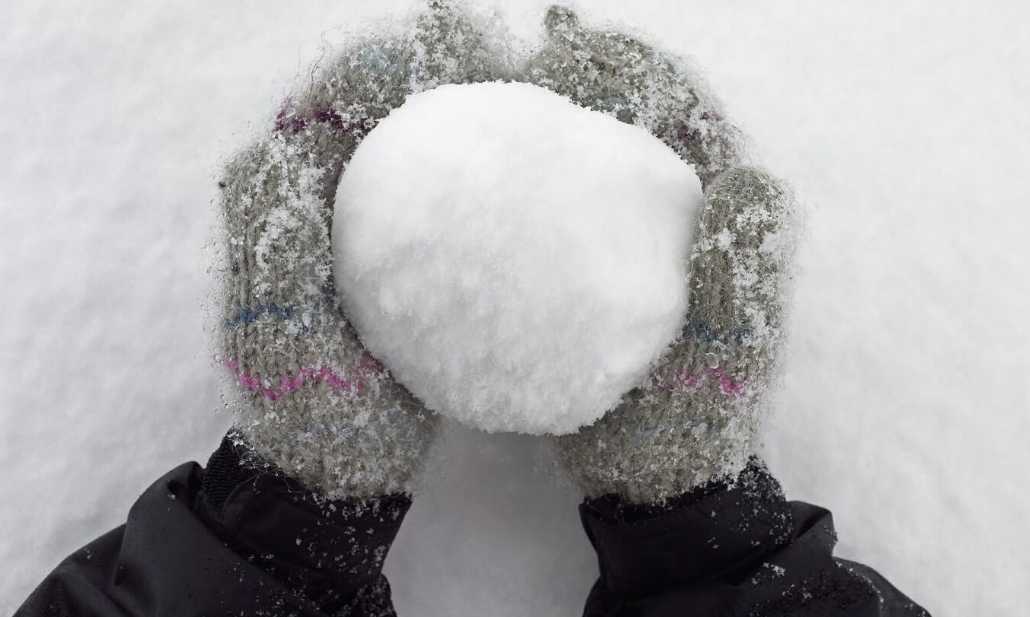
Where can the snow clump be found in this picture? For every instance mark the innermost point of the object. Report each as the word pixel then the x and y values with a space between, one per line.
pixel 518 262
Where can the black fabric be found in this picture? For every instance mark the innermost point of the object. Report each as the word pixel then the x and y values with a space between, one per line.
pixel 321 554
pixel 268 547
pixel 734 549
pixel 241 538
pixel 226 470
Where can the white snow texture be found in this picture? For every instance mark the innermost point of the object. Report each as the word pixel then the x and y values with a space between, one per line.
pixel 517 261
pixel 904 406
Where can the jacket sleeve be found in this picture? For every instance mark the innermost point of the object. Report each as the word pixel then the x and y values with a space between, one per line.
pixel 234 539
pixel 729 549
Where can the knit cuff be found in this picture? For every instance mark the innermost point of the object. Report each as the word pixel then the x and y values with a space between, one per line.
pixel 706 532
pixel 330 551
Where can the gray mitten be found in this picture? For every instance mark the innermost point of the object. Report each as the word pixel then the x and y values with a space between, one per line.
pixel 627 78
pixel 696 417
pixel 310 399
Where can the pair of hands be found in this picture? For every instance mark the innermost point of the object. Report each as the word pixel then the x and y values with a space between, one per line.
pixel 311 399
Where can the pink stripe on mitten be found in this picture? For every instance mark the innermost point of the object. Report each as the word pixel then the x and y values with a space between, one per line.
pixel 289 384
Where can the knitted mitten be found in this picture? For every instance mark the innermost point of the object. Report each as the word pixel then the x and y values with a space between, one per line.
pixel 696 417
pixel 627 78
pixel 310 399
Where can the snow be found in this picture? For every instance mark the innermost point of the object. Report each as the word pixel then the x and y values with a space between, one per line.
pixel 517 261
pixel 905 401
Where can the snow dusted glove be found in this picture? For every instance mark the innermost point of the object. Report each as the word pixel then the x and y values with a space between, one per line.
pixel 310 399
pixel 627 78
pixel 696 417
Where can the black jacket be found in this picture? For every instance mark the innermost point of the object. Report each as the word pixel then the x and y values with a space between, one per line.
pixel 238 539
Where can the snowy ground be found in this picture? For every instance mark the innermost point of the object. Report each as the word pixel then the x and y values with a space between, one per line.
pixel 906 406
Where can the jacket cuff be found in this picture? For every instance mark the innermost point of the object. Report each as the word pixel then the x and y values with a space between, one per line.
pixel 330 551
pixel 710 531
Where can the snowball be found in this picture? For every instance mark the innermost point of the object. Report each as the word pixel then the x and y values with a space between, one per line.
pixel 516 261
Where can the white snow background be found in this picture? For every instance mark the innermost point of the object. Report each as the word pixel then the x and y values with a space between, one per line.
pixel 906 402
